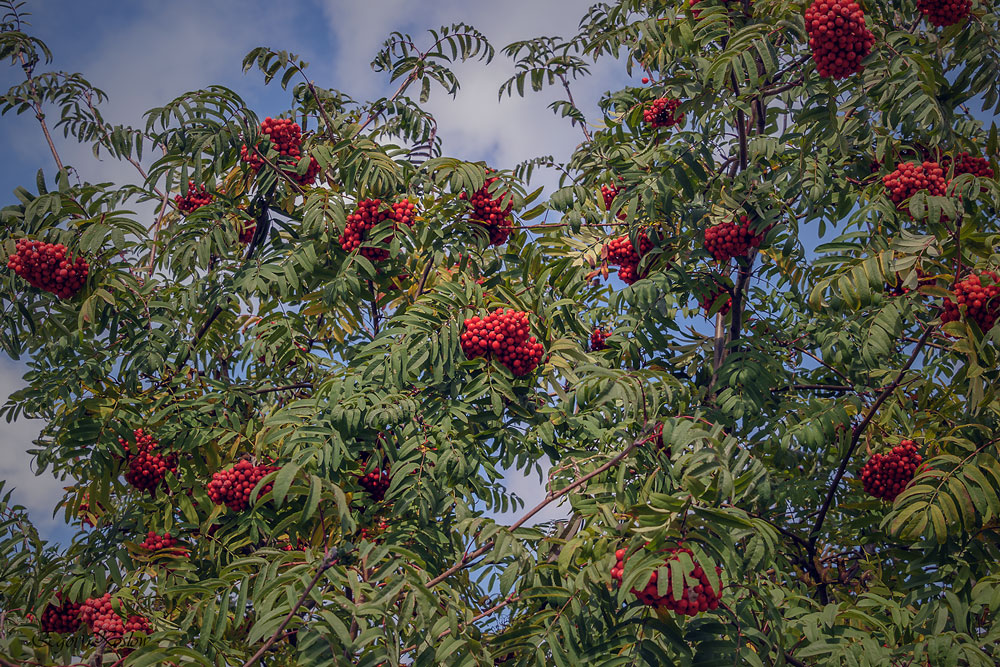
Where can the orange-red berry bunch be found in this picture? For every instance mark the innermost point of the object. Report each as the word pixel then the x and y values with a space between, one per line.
pixel 728 240
pixel 232 487
pixel 247 230
pixel 366 216
pixel 156 542
pixel 47 266
pixel 102 620
pixel 910 178
pixel 943 13
pixel 63 618
pixel 377 528
pixel 609 192
pixel 970 164
pixel 197 197
pixel 697 598
pixel 838 37
pixel 599 339
pixel 980 294
pixel 504 335
pixel 706 302
pixel 376 482
pixel 147 467
pixel 489 212
pixel 622 252
pixel 886 475
pixel 663 113
pixel 286 137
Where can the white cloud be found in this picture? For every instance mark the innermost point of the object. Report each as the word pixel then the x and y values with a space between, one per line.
pixel 37 493
pixel 474 125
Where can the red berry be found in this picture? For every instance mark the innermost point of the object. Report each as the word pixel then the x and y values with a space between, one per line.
pixel 693 598
pixel 505 336
pixel 943 13
pixel 100 617
pixel 233 487
pixel 285 136
pixel 197 197
pixel 147 468
pixel 365 217
pixel 728 240
pixel 980 294
pixel 645 79
pixel 622 252
pixel 886 475
pixel 662 113
pixel 910 178
pixel 376 482
pixel 598 339
pixel 489 213
pixel 49 267
pixel 63 618
pixel 838 37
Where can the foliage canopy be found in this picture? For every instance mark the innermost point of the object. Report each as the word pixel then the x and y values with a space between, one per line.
pixel 821 345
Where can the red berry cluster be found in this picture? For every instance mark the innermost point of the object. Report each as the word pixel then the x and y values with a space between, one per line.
pixel 609 192
pixel 247 230
pixel 980 294
pixel 728 240
pixel 693 599
pixel 489 212
pixel 910 178
pixel 156 542
pixel 943 13
pixel 377 528
pixel 969 164
pixel 706 302
pixel 286 137
pixel 662 113
pixel 504 335
pixel 365 217
pixel 63 618
pixel 197 197
pixel 838 37
pixel 102 620
pixel 232 487
pixel 47 266
pixel 886 475
pixel 599 339
pixel 622 252
pixel 147 467
pixel 376 482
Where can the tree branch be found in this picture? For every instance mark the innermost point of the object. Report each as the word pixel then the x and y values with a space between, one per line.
pixel 551 496
pixel 856 437
pixel 36 104
pixel 326 564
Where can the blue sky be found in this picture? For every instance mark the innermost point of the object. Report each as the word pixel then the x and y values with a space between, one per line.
pixel 143 54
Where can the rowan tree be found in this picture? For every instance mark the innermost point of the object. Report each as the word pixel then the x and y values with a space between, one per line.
pixel 284 399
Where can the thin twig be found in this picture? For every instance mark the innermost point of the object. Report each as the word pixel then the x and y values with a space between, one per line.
pixel 36 104
pixel 814 387
pixel 325 565
pixel 856 437
pixel 550 497
pixel 286 387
